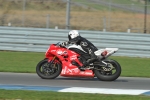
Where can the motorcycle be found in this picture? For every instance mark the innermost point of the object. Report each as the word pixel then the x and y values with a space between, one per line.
pixel 63 61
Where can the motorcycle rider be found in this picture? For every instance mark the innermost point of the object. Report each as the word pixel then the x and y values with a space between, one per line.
pixel 75 38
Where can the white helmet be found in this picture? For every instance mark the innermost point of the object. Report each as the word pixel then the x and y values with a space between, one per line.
pixel 73 34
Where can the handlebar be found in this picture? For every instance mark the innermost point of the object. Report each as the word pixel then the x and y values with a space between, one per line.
pixel 59 44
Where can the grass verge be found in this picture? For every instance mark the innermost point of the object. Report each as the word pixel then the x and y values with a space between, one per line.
pixel 41 95
pixel 25 62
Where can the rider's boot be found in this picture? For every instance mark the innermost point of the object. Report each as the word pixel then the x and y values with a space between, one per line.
pixel 87 63
pixel 90 60
pixel 76 64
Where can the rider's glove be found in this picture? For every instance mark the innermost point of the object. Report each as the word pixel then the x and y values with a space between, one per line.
pixel 64 44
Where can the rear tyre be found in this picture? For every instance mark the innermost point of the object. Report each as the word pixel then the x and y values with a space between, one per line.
pixel 110 73
pixel 46 70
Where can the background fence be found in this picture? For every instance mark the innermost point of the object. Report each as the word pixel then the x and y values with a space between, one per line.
pixel 39 39
pixel 99 15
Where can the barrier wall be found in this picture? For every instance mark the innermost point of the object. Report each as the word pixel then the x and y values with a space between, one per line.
pixel 39 39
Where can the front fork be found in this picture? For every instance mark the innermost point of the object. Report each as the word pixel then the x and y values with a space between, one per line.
pixel 51 61
pixel 50 66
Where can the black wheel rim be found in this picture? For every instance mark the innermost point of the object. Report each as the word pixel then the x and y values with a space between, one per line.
pixel 48 69
pixel 110 70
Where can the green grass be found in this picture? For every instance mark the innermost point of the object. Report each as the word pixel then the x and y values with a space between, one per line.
pixel 128 3
pixel 25 62
pixel 113 1
pixel 19 61
pixel 37 95
pixel 39 6
pixel 124 1
pixel 133 66
pixel 58 5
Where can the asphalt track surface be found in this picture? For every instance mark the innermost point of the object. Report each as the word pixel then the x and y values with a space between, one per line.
pixel 34 80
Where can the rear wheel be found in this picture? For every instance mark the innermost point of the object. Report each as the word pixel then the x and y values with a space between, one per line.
pixel 47 70
pixel 110 73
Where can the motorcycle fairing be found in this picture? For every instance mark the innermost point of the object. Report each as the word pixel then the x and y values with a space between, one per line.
pixel 66 56
pixel 71 70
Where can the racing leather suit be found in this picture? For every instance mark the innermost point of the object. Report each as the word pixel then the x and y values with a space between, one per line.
pixel 86 46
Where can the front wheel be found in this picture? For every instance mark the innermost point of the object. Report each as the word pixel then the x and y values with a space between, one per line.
pixel 110 73
pixel 47 70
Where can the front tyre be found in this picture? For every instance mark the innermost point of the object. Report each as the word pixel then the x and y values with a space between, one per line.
pixel 110 73
pixel 47 70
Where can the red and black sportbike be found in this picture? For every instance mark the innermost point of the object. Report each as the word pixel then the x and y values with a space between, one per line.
pixel 63 60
